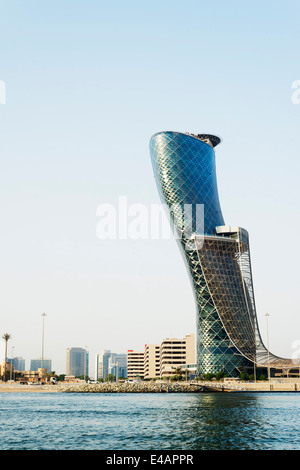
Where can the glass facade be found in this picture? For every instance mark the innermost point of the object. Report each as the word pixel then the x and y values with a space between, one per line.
pixel 102 364
pixel 217 256
pixel 77 362
pixel 36 364
pixel 18 363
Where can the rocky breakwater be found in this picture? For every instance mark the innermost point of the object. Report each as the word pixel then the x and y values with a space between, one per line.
pixel 137 387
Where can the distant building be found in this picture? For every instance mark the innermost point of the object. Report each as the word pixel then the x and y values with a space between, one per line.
pixel 5 366
pixel 77 362
pixel 35 375
pixel 101 364
pixel 110 363
pixel 18 363
pixel 175 352
pixel 161 360
pixel 36 364
pixel 117 365
pixel 135 364
pixel 70 378
pixel 152 361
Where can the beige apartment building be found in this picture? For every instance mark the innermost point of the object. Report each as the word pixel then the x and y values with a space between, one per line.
pixel 175 352
pixel 161 360
pixel 151 361
pixel 135 364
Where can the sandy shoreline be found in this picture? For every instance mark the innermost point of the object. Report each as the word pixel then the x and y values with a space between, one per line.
pixel 16 388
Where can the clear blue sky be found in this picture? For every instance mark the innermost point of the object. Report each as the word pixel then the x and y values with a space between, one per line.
pixel 87 84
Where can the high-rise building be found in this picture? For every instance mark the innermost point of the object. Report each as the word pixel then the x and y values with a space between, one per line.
pixel 77 362
pixel 36 364
pixel 117 365
pixel 217 256
pixel 101 364
pixel 110 363
pixel 18 363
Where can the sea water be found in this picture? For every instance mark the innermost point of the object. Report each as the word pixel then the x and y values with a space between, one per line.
pixel 149 421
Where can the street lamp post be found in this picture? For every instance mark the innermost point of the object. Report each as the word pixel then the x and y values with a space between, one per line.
pixel 269 376
pixel 85 371
pixel 11 366
pixel 43 335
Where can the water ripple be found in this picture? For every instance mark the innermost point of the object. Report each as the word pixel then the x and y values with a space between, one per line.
pixel 146 422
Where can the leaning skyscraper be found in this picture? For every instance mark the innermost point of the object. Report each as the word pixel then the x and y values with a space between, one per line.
pixel 217 256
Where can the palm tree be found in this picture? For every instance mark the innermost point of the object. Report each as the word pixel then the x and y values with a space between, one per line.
pixel 179 372
pixel 6 337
